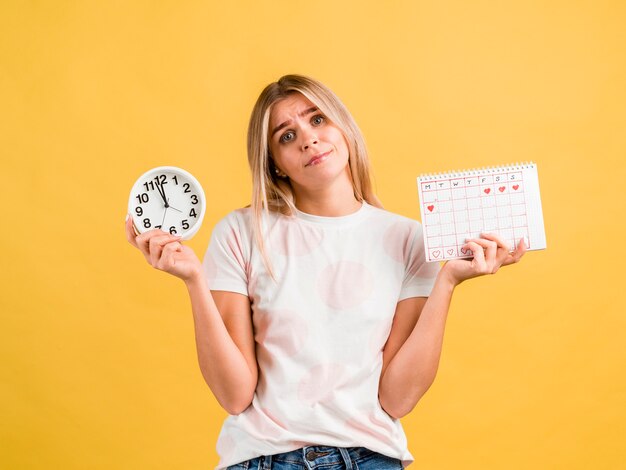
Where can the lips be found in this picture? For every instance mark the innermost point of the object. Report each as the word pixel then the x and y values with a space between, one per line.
pixel 318 158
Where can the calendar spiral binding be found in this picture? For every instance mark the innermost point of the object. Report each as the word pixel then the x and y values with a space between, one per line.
pixel 476 171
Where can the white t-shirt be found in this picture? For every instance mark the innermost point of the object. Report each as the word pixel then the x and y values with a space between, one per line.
pixel 321 328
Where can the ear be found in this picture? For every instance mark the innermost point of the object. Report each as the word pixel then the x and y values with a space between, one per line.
pixel 274 168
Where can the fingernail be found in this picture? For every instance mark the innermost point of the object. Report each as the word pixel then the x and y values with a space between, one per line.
pixel 126 219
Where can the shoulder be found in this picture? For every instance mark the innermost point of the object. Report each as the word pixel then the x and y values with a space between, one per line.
pixel 242 221
pixel 235 221
pixel 397 221
pixel 241 214
pixel 244 216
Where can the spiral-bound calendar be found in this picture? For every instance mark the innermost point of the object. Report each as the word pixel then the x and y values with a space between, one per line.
pixel 456 206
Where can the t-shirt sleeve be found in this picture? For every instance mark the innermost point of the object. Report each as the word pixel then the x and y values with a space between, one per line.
pixel 226 259
pixel 419 276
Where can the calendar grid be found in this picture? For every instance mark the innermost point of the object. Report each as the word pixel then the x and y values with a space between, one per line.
pixel 455 250
pixel 457 206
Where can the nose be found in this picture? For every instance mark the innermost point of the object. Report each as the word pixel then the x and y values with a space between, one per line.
pixel 309 138
pixel 309 143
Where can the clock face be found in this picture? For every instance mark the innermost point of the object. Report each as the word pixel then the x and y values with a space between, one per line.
pixel 167 198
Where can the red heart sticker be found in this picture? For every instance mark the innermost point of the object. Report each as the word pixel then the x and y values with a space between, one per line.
pixel 487 190
pixel 515 187
pixel 436 253
pixel 502 188
pixel 430 208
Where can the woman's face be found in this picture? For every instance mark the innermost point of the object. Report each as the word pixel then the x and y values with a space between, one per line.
pixel 306 145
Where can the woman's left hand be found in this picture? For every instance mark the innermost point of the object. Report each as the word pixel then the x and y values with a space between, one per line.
pixel 490 253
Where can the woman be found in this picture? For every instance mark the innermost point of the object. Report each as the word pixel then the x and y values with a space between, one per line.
pixel 308 332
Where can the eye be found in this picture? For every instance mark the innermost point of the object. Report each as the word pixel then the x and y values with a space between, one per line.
pixel 317 119
pixel 287 137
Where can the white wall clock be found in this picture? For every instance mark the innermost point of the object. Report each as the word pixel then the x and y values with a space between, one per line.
pixel 168 198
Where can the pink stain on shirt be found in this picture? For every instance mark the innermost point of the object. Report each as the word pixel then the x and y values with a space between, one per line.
pixel 345 284
pixel 271 416
pixel 320 382
pixel 378 338
pixel 378 429
pixel 282 331
pixel 210 268
pixel 262 424
pixel 397 239
pixel 370 431
pixel 290 238
pixel 233 241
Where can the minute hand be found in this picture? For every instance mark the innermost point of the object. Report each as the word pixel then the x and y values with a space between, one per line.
pixel 162 193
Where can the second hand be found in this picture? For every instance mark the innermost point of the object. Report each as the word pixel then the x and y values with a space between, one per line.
pixel 163 221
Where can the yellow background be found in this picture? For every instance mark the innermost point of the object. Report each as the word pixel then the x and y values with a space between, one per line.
pixel 98 364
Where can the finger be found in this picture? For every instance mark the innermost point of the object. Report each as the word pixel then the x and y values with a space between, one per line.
pixel 503 252
pixel 156 246
pixel 167 256
pixel 479 255
pixel 490 248
pixel 518 253
pixel 143 242
pixel 143 239
pixel 131 233
pixel 498 239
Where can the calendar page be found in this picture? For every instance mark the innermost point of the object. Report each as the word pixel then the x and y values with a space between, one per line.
pixel 456 206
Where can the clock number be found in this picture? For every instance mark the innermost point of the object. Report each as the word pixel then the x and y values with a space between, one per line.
pixel 146 223
pixel 186 186
pixel 173 230
pixel 185 224
pixel 175 179
pixel 160 179
pixel 157 226
pixel 194 199
pixel 193 213
pixel 143 197
pixel 139 211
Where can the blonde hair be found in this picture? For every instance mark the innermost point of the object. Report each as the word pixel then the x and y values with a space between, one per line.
pixel 271 193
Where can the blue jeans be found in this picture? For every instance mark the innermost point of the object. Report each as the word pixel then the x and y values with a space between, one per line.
pixel 323 458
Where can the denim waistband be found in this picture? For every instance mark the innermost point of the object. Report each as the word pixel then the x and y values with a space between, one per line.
pixel 318 456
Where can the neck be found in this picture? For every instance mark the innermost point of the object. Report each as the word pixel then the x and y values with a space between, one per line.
pixel 332 201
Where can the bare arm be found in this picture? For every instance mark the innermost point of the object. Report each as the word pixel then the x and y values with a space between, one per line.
pixel 222 320
pixel 225 344
pixel 412 353
pixel 415 346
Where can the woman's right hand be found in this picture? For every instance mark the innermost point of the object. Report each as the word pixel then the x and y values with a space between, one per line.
pixel 165 252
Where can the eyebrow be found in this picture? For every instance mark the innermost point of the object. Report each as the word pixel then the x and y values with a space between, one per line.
pixel 286 123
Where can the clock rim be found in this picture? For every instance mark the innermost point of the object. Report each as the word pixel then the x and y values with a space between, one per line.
pixel 187 234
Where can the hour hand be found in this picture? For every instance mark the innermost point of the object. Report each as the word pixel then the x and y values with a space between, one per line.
pixel 162 193
pixel 172 207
